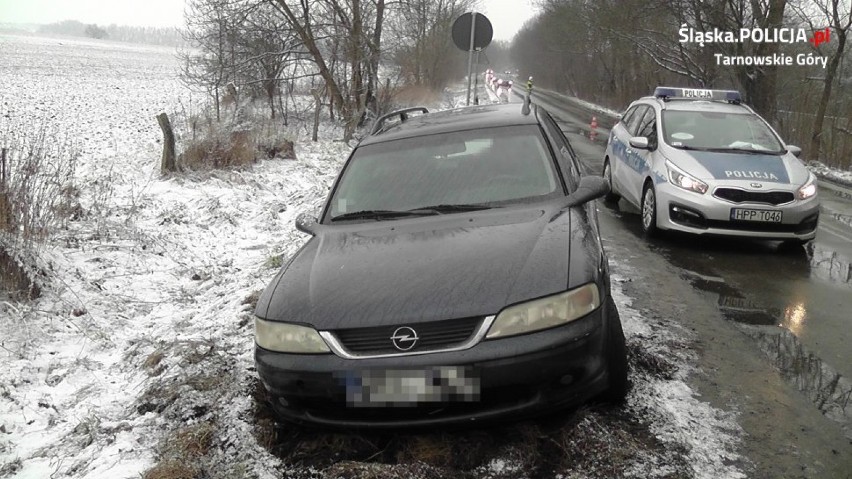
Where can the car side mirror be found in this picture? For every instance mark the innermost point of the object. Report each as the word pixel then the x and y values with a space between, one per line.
pixel 795 150
pixel 307 224
pixel 590 188
pixel 640 142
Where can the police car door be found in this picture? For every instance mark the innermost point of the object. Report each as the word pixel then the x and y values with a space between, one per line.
pixel 629 160
pixel 641 160
pixel 618 142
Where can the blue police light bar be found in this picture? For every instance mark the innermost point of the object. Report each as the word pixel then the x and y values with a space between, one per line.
pixel 668 93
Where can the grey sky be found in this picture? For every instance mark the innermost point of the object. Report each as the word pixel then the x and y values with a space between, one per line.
pixel 506 16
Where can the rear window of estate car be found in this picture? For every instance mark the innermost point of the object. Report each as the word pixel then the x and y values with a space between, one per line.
pixel 485 166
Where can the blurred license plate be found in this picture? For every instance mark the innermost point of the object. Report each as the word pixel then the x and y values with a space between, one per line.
pixel 765 216
pixel 409 387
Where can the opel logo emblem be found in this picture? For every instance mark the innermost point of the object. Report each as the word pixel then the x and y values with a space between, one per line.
pixel 756 185
pixel 404 338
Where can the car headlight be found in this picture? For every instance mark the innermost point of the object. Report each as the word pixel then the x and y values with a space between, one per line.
pixel 684 180
pixel 546 312
pixel 808 189
pixel 288 338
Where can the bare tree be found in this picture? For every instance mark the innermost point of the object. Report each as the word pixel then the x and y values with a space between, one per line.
pixel 355 26
pixel 423 48
pixel 241 42
pixel 838 16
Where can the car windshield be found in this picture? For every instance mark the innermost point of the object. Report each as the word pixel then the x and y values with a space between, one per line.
pixel 446 173
pixel 719 131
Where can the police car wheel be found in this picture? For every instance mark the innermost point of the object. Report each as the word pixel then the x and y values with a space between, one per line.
pixel 612 196
pixel 649 210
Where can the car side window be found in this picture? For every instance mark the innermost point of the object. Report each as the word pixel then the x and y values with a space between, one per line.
pixel 563 151
pixel 625 118
pixel 648 127
pixel 637 117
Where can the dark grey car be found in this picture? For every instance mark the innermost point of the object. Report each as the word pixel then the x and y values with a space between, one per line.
pixel 456 274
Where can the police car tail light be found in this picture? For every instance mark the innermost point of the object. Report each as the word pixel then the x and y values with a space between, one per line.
pixel 808 189
pixel 683 180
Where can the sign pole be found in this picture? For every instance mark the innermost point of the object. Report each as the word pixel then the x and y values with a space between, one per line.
pixel 470 55
pixel 476 79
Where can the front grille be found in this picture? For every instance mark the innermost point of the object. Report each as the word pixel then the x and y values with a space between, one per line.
pixel 432 335
pixel 737 195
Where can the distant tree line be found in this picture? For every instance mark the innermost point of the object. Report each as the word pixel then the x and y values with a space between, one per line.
pixel 613 51
pixel 119 33
pixel 352 54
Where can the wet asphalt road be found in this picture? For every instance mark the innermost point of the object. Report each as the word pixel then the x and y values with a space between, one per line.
pixel 796 304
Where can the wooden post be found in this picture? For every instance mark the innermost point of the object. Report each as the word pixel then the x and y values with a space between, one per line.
pixel 168 162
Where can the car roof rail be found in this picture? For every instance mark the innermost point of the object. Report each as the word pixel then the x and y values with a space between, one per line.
pixel 403 115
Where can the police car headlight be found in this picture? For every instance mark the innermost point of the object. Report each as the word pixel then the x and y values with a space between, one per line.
pixel 288 338
pixel 546 312
pixel 808 189
pixel 684 180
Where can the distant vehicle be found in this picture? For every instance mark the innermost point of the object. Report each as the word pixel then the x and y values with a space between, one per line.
pixel 456 274
pixel 700 161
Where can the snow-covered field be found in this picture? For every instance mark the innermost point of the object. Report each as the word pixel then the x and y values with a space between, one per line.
pixel 143 333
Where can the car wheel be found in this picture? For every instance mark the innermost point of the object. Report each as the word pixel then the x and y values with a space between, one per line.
pixel 612 196
pixel 616 357
pixel 649 210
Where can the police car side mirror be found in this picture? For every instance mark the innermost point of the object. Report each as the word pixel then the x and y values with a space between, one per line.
pixel 307 224
pixel 795 150
pixel 639 142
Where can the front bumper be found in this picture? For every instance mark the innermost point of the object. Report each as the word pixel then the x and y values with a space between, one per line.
pixel 519 376
pixel 689 212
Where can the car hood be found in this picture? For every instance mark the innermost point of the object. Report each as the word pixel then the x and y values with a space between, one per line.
pixel 426 269
pixel 783 169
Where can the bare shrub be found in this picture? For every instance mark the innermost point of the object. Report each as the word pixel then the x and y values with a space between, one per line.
pixel 242 137
pixel 37 190
pixel 37 195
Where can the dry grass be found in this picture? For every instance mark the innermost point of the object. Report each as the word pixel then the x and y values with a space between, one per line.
pixel 172 469
pixel 14 279
pixel 37 195
pixel 238 140
pixel 37 191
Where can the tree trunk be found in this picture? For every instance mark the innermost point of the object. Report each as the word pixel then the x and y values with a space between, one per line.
pixel 167 164
pixel 840 31
pixel 317 106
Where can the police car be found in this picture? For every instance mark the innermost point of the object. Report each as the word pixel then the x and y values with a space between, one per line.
pixel 700 161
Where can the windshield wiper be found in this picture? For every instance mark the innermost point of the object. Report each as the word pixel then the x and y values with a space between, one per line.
pixel 694 148
pixel 746 150
pixel 454 208
pixel 380 214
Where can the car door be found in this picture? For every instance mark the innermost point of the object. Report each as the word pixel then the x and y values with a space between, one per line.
pixel 624 175
pixel 640 160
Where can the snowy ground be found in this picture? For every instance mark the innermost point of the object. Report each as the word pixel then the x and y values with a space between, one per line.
pixel 141 343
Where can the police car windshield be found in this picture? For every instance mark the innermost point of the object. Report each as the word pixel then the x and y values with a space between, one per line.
pixel 481 168
pixel 719 131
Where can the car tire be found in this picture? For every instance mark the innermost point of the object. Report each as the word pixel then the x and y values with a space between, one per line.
pixel 612 196
pixel 649 210
pixel 616 357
